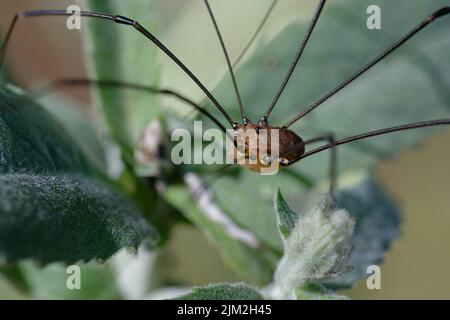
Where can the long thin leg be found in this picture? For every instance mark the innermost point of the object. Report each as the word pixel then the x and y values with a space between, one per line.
pixel 330 138
pixel 256 33
pixel 119 20
pixel 375 133
pixel 48 88
pixel 227 58
pixel 295 62
pixel 441 12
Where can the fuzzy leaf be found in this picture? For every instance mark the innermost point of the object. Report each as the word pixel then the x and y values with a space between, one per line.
pixel 223 291
pixel 317 247
pixel 285 215
pixel 54 205
pixel 317 292
pixel 66 218
pixel 31 139
pixel 377 225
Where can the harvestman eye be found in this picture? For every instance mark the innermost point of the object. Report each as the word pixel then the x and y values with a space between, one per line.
pixel 291 146
pixel 266 160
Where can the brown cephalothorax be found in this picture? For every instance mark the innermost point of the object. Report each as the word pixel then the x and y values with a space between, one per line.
pixel 258 146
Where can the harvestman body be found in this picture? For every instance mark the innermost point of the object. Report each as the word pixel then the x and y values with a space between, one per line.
pixel 291 146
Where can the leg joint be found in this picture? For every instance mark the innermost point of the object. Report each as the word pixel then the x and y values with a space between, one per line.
pixel 124 20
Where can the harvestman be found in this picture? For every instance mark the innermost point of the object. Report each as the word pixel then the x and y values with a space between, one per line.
pixel 291 146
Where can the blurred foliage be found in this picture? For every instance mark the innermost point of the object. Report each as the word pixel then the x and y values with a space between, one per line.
pixel 254 265
pixel 124 114
pixel 123 55
pixel 49 282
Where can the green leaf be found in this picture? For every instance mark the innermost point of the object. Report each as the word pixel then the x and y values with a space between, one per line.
pixel 79 125
pixel 285 215
pixel 118 52
pixel 251 261
pixel 31 140
pixel 244 206
pixel 54 205
pixel 223 291
pixel 377 225
pixel 66 218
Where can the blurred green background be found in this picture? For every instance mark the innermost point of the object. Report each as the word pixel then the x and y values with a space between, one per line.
pixel 418 264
